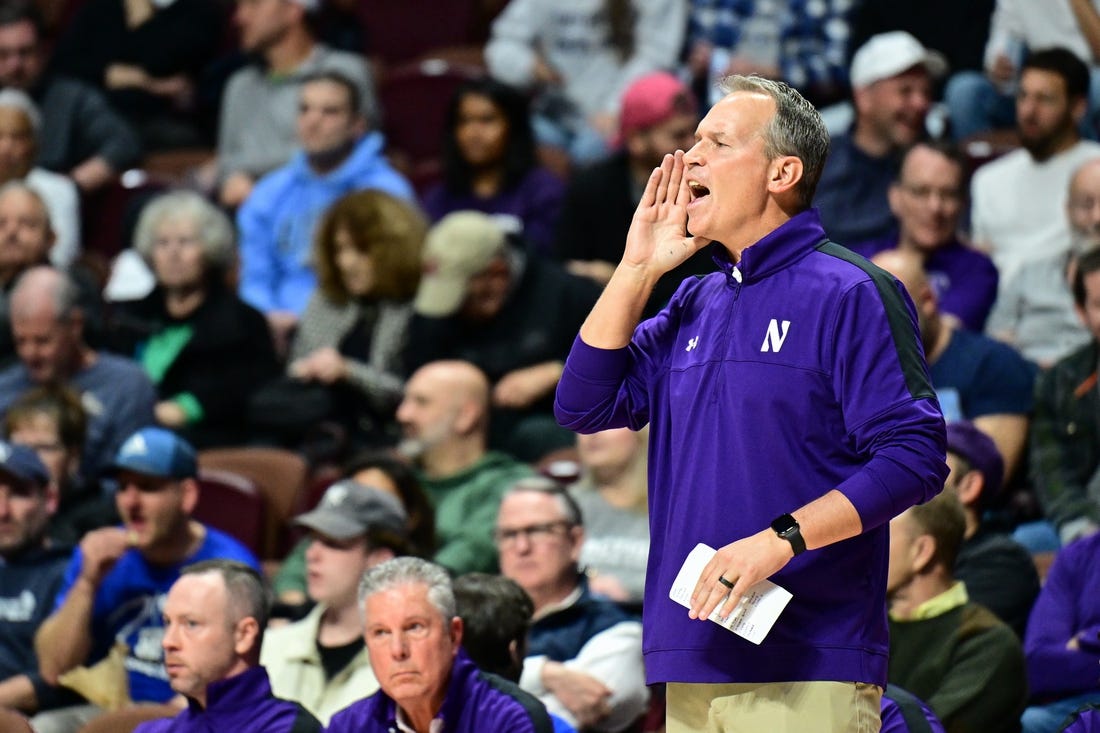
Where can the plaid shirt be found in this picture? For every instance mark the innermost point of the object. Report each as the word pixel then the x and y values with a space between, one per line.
pixel 813 34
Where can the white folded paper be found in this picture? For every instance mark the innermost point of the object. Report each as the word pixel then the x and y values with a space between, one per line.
pixel 757 610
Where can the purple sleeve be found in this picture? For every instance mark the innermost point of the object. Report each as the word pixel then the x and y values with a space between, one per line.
pixel 890 410
pixel 1052 669
pixel 608 388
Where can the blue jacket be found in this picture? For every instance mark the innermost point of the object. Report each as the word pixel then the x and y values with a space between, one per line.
pixel 240 703
pixel 476 702
pixel 561 635
pixel 765 386
pixel 278 220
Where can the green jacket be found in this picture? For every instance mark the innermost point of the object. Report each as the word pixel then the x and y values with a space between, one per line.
pixel 466 505
pixel 966 664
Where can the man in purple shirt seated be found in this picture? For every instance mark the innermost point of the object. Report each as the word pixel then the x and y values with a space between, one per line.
pixel 927 200
pixel 791 416
pixel 429 684
pixel 214 620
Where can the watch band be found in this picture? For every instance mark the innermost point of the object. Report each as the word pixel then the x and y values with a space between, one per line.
pixel 787 528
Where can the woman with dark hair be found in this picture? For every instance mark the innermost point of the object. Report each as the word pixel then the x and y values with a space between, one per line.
pixel 489 164
pixel 204 348
pixel 352 334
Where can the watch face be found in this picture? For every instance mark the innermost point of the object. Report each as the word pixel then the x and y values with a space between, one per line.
pixel 784 524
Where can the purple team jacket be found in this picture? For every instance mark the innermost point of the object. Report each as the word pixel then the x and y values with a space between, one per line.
pixel 240 703
pixel 475 703
pixel 765 386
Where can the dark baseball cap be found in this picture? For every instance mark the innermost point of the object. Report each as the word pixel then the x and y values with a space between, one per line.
pixel 350 509
pixel 22 464
pixel 978 449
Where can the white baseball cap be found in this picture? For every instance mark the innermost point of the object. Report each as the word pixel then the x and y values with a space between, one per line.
pixel 889 54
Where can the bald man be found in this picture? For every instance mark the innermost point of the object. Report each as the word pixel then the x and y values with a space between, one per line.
pixel 1035 310
pixel 444 417
pixel 975 377
pixel 48 326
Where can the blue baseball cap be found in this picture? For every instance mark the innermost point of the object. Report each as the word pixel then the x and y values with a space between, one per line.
pixel 22 464
pixel 157 452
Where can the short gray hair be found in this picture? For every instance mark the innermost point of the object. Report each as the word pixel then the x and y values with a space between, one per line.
pixel 215 230
pixel 796 129
pixel 17 99
pixel 409 571
pixel 549 487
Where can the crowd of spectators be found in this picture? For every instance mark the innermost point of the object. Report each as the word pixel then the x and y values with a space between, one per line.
pixel 298 284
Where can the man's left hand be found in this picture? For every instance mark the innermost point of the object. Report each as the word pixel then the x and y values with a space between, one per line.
pixel 743 564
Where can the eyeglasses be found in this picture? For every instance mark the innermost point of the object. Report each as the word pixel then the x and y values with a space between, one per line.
pixel 532 533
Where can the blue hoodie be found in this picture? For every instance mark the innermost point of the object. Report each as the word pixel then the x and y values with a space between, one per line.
pixel 278 220
pixel 766 385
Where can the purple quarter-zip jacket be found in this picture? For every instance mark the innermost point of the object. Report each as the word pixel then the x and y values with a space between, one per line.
pixel 766 385
pixel 475 703
pixel 240 703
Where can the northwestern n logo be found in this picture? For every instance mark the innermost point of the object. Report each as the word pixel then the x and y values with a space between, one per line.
pixel 774 338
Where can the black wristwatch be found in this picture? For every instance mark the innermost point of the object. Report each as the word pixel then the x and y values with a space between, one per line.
pixel 787 528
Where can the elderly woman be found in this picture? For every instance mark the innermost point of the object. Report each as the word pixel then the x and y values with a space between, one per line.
pixel 352 334
pixel 204 348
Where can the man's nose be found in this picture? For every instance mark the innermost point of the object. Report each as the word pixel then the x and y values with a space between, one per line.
pixel 399 646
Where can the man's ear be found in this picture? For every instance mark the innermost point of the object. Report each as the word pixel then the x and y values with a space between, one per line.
pixel 189 495
pixel 970 487
pixel 923 550
pixel 456 632
pixel 784 174
pixel 52 497
pixel 245 636
pixel 893 196
pixel 1080 107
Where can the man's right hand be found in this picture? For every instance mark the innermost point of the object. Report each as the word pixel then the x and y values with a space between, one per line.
pixel 584 695
pixel 658 239
pixel 101 549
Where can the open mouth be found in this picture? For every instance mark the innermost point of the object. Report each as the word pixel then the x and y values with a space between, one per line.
pixel 698 190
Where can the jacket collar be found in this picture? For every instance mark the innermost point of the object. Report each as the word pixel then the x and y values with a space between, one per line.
pixel 780 248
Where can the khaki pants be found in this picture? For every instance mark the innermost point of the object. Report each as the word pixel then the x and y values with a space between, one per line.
pixel 777 707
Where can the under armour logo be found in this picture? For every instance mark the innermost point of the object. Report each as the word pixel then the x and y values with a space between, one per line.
pixel 774 338
pixel 692 343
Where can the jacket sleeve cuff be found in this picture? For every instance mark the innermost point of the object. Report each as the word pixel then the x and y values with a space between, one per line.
pixel 590 373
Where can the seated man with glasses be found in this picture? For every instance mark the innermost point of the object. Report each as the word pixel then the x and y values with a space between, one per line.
pixel 584 655
pixel 927 199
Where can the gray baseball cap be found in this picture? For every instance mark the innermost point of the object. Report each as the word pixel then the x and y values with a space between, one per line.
pixel 349 509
